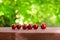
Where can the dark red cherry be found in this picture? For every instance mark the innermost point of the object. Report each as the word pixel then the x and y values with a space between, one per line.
pixel 14 26
pixel 25 26
pixel 43 26
pixel 35 26
pixel 18 26
pixel 29 26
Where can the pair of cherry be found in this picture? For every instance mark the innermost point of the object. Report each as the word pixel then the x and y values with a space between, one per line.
pixel 30 26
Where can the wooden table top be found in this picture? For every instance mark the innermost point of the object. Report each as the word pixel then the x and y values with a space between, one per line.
pixel 39 30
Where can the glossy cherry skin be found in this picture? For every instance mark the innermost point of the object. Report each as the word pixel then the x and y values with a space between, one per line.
pixel 43 26
pixel 25 26
pixel 29 26
pixel 14 26
pixel 18 26
pixel 35 26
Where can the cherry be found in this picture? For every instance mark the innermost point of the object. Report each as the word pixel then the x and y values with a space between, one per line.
pixel 25 26
pixel 43 26
pixel 18 26
pixel 14 26
pixel 29 26
pixel 35 26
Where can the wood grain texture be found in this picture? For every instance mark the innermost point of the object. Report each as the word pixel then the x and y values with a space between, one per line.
pixel 38 36
pixel 7 36
pixel 6 33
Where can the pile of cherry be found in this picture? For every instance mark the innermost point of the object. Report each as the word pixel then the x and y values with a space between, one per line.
pixel 30 26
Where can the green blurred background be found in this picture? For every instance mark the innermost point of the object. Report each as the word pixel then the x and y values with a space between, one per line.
pixel 30 12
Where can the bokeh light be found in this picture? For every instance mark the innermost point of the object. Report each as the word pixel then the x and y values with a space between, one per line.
pixel 30 12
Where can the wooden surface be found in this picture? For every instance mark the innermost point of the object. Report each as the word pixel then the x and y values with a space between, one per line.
pixel 6 33
pixel 7 36
pixel 39 30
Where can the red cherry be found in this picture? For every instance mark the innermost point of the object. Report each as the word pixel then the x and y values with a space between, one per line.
pixel 35 26
pixel 43 26
pixel 14 26
pixel 29 26
pixel 18 26
pixel 24 26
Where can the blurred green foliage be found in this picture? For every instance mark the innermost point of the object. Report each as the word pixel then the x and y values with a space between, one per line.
pixel 30 12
